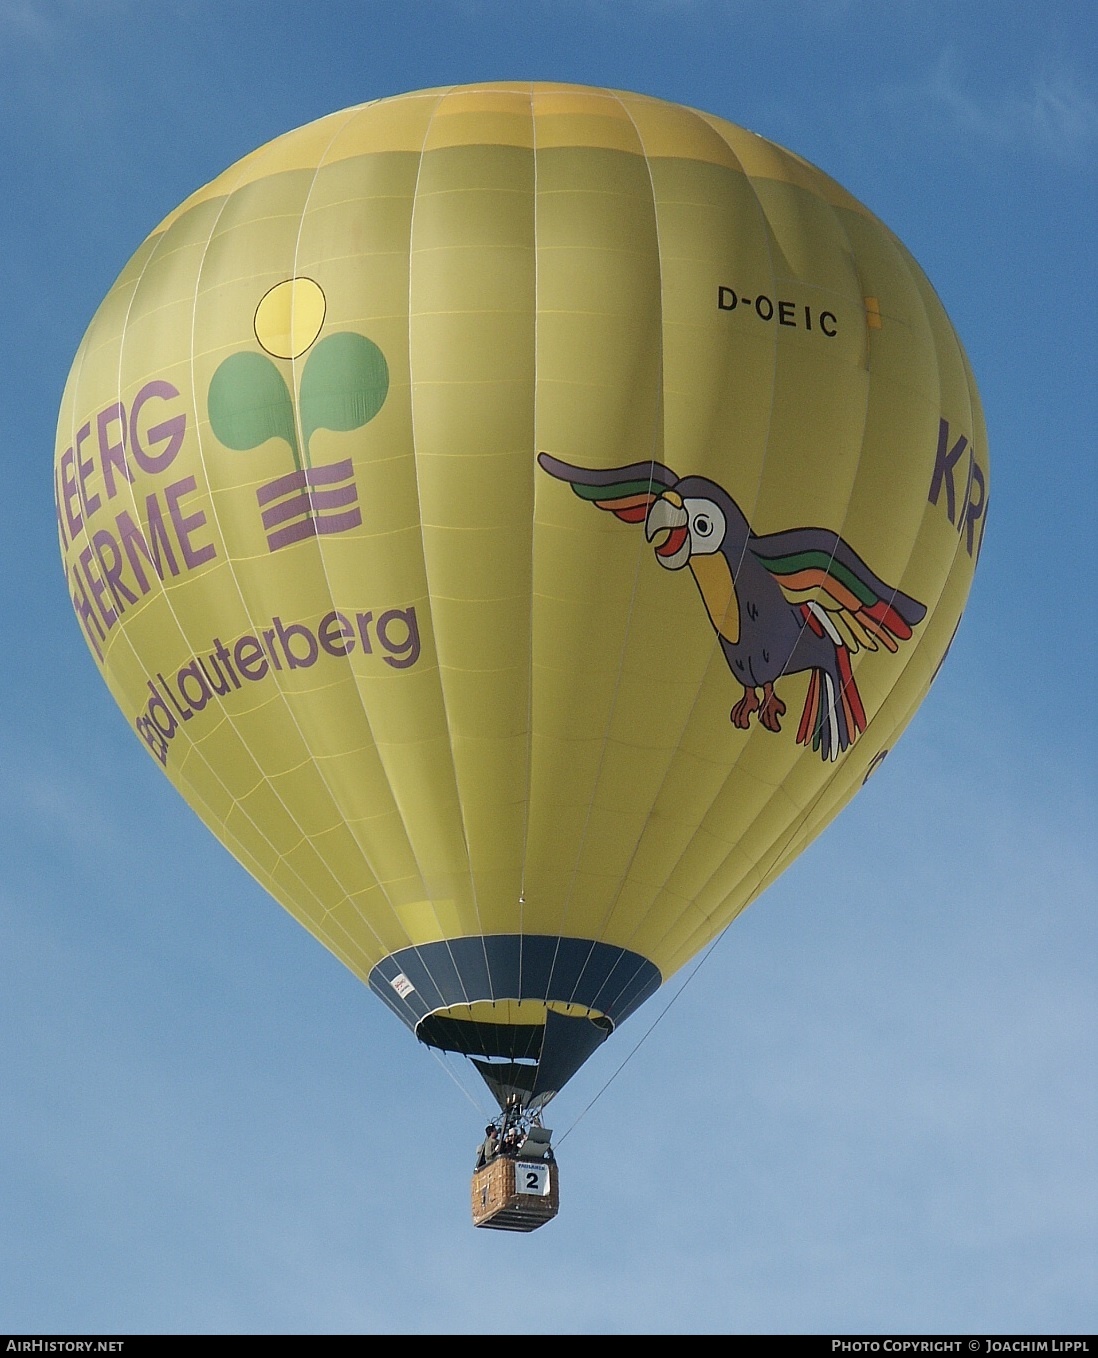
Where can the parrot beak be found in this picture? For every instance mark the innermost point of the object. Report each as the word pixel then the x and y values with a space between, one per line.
pixel 667 520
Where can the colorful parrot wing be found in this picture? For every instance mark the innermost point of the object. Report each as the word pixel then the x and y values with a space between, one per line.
pixel 837 592
pixel 627 492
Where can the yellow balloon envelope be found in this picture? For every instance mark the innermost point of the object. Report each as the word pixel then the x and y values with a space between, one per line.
pixel 518 518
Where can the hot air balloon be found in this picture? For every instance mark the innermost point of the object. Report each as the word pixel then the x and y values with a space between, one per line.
pixel 518 518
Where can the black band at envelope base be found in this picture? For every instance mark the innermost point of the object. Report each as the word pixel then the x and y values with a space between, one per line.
pixel 597 976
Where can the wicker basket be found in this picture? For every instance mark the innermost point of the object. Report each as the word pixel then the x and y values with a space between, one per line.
pixel 515 1195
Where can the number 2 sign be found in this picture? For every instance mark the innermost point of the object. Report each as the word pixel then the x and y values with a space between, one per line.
pixel 532 1178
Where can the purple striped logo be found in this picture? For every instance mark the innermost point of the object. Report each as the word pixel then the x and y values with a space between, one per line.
pixel 308 503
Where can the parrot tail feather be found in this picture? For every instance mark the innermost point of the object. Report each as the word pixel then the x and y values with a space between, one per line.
pixel 833 716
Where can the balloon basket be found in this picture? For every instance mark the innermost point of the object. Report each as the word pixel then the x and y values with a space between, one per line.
pixel 515 1195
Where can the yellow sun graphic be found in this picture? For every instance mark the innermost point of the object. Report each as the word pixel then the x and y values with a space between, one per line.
pixel 289 317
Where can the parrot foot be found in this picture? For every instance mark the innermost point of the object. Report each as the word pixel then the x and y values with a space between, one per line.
pixel 741 713
pixel 772 709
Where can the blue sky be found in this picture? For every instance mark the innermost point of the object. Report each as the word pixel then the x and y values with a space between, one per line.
pixel 874 1106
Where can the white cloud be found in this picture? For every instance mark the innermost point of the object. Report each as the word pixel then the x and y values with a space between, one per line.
pixel 42 802
pixel 44 23
pixel 1055 113
pixel 31 21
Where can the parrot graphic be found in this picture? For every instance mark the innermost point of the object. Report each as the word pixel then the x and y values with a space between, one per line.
pixel 801 599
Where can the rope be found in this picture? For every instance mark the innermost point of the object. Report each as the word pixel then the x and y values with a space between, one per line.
pixel 659 1019
pixel 446 1067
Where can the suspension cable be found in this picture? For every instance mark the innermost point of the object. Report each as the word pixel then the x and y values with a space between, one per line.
pixel 446 1067
pixel 656 1022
